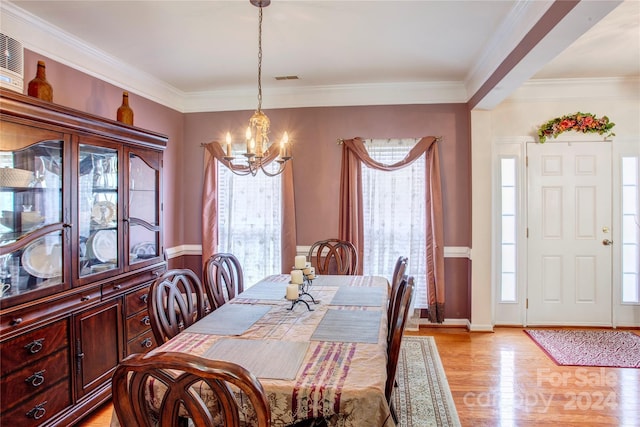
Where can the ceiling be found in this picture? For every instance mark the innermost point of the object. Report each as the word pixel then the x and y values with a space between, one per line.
pixel 202 55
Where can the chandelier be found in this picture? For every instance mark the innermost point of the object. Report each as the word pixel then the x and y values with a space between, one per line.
pixel 258 151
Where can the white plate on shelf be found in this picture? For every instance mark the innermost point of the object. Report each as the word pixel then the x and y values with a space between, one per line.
pixel 104 245
pixel 43 258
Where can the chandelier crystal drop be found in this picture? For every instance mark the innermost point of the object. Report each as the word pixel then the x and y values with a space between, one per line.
pixel 257 134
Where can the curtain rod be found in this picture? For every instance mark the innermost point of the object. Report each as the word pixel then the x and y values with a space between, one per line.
pixel 341 140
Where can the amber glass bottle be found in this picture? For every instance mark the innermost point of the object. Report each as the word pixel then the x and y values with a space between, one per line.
pixel 39 87
pixel 125 113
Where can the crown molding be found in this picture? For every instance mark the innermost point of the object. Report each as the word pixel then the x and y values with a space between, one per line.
pixel 334 96
pixel 553 90
pixel 43 38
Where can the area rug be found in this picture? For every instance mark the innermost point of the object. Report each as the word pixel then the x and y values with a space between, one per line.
pixel 616 349
pixel 422 397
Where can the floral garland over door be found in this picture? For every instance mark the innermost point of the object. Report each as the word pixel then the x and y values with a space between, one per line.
pixel 579 122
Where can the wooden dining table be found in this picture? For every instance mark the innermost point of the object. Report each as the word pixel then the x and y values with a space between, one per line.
pixel 327 360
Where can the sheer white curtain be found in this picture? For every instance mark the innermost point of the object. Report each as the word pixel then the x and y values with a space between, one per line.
pixel 395 214
pixel 250 222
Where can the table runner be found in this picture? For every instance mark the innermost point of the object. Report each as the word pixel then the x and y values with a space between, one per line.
pixel 264 358
pixel 230 319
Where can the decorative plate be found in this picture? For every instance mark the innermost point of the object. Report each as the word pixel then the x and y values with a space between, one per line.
pixel 104 212
pixel 104 245
pixel 43 258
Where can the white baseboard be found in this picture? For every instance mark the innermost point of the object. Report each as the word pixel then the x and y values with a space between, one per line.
pixel 474 327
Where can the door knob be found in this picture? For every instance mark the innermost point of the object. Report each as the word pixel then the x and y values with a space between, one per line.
pixel 607 242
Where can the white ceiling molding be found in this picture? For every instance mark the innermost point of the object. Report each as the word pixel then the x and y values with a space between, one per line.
pixel 324 96
pixel 54 43
pixel 563 89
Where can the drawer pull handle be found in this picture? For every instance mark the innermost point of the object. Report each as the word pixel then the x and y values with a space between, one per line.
pixel 36 379
pixel 34 346
pixel 37 411
pixel 85 298
pixel 145 321
pixel 146 343
pixel 144 298
pixel 117 287
pixel 16 321
pixel 157 273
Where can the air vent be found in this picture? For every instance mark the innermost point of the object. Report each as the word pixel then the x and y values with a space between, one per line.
pixel 11 64
pixel 287 78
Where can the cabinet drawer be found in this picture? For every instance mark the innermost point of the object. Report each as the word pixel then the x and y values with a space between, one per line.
pixel 123 285
pixel 33 379
pixel 136 301
pixel 142 343
pixel 138 324
pixel 40 407
pixel 33 346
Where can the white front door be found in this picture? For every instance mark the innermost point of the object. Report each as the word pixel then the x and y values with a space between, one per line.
pixel 569 220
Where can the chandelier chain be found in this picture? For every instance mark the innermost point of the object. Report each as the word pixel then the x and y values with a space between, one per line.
pixel 260 60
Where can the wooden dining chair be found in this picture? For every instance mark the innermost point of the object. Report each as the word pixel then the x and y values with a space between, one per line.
pixel 398 273
pixel 185 379
pixel 394 341
pixel 175 302
pixel 334 256
pixel 223 279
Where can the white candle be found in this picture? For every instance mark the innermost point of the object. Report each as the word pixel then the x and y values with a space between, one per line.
pixel 228 144
pixel 312 273
pixel 296 277
pixel 292 292
pixel 248 138
pixel 301 261
pixel 285 139
pixel 307 270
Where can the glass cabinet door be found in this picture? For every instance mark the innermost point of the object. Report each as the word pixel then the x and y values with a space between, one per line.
pixel 97 209
pixel 144 209
pixel 31 221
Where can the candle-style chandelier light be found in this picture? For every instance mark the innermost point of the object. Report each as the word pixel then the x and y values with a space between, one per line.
pixel 257 134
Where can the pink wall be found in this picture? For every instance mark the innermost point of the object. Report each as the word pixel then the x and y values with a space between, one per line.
pixel 80 91
pixel 314 133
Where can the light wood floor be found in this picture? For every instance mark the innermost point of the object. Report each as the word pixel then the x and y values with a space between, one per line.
pixel 504 379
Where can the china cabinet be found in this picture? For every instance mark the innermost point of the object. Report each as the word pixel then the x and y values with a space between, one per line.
pixel 80 242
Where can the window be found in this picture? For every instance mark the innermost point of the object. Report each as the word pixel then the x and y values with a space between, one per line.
pixel 394 214
pixel 630 231
pixel 250 222
pixel 508 230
